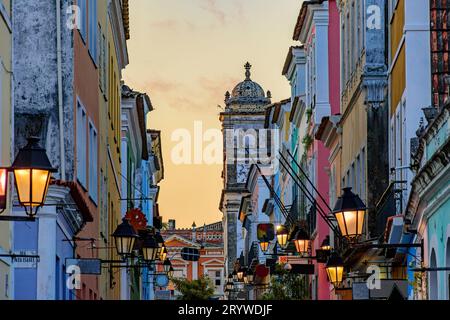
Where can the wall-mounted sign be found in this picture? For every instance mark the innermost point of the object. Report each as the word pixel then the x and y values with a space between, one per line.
pixel 265 232
pixel 190 254
pixel 87 266
pixel 25 262
pixel 163 295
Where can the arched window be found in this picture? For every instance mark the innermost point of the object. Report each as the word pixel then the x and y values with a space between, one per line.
pixel 433 283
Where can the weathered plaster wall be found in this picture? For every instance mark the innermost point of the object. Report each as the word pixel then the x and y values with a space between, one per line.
pixel 36 78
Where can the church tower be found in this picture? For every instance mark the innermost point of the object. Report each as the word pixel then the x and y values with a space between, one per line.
pixel 242 122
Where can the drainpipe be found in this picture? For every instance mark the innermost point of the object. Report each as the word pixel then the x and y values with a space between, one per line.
pixel 60 90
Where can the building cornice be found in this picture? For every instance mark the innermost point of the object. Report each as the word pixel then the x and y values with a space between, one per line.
pixel 117 26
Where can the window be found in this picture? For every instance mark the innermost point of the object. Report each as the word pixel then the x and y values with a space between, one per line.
pixel 100 58
pixel 81 128
pixel 83 14
pixel 93 31
pixel 93 162
pixel 352 37
pixel 358 175
pixel 363 175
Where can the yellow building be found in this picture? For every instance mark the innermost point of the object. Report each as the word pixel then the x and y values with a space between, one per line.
pixel 115 24
pixel 5 136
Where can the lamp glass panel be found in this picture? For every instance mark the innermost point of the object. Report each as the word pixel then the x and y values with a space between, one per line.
pixel 3 180
pixel 341 222
pixel 264 246
pixel 361 215
pixel 335 274
pixel 22 177
pixel 148 253
pixel 351 219
pixel 124 245
pixel 282 239
pixel 302 246
pixel 40 183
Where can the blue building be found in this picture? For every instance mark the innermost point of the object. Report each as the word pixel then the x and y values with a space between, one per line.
pixel 428 208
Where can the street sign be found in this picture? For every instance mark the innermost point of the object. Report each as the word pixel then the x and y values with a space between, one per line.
pixel 87 266
pixel 360 291
pixel 190 254
pixel 23 262
pixel 163 295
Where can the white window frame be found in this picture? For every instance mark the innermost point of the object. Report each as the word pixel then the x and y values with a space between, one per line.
pixel 93 31
pixel 93 162
pixel 82 4
pixel 81 133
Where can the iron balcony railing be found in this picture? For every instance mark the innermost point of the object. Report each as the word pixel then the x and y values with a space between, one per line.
pixel 390 204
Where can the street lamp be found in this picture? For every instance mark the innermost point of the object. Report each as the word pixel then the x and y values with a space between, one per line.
pixel 125 236
pixel 350 212
pixel 282 236
pixel 167 265
pixel 229 286
pixel 249 275
pixel 32 172
pixel 240 274
pixel 163 254
pixel 160 241
pixel 150 248
pixel 325 246
pixel 264 244
pixel 302 241
pixel 335 269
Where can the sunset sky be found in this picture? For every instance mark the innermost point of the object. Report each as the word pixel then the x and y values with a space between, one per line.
pixel 186 54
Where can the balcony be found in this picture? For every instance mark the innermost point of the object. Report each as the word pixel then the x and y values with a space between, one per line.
pixel 391 204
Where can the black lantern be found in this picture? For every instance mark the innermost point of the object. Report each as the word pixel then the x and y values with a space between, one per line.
pixel 350 212
pixel 302 241
pixel 249 276
pixel 241 274
pixel 150 248
pixel 230 286
pixel 163 254
pixel 325 246
pixel 32 172
pixel 167 265
pixel 125 236
pixel 335 269
pixel 282 236
pixel 160 241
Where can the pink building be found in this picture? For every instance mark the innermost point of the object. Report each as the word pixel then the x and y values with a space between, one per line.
pixel 318 30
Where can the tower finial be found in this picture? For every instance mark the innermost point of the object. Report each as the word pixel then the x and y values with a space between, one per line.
pixel 247 67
